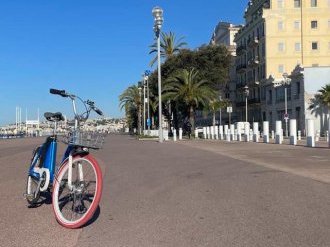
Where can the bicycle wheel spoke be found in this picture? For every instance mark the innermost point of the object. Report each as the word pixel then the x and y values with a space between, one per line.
pixel 75 205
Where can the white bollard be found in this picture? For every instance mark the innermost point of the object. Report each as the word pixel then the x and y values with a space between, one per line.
pixel 279 132
pixel 165 135
pixel 251 134
pixel 180 133
pixel 228 136
pixel 216 132
pixel 310 133
pixel 208 132
pixel 174 135
pixel 255 132
pixel 247 131
pixel 196 134
pixel 293 132
pixel 239 134
pixel 266 131
pixel 317 137
pixel 273 135
pixel 212 132
pixel 221 132
pixel 226 132
pixel 299 135
pixel 235 134
pixel 204 132
pixel 232 131
pixel 327 135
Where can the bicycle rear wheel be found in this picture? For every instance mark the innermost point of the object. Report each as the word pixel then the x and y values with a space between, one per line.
pixel 32 188
pixel 73 207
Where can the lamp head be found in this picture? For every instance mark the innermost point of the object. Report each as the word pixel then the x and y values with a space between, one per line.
pixel 157 12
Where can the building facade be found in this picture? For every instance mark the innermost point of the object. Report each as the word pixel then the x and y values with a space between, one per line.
pixel 277 36
pixel 224 34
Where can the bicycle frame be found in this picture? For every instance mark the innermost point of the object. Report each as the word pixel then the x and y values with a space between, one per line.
pixel 49 158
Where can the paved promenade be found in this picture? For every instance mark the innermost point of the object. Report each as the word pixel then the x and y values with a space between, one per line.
pixel 188 193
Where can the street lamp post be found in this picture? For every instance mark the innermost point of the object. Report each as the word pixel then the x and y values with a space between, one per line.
pixel 286 116
pixel 157 12
pixel 146 78
pixel 220 111
pixel 144 103
pixel 139 111
pixel 246 92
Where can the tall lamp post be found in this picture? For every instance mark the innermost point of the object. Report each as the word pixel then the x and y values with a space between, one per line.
pixel 140 111
pixel 246 92
pixel 144 103
pixel 146 78
pixel 220 111
pixel 157 12
pixel 286 82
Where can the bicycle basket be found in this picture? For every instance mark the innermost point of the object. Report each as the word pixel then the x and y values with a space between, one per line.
pixel 88 139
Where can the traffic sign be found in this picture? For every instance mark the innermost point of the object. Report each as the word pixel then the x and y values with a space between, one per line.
pixel 229 109
pixel 286 116
pixel 148 122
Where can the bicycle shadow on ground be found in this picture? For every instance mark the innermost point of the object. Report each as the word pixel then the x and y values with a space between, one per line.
pixel 45 198
pixel 94 217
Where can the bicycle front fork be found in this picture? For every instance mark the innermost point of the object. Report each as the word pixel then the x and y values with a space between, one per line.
pixel 80 172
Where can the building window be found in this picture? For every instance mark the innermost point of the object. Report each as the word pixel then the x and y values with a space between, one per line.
pixel 313 3
pixel 280 4
pixel 297 25
pixel 270 97
pixel 314 24
pixel 297 46
pixel 315 46
pixel 281 68
pixel 280 25
pixel 281 47
pixel 297 90
pixel 297 3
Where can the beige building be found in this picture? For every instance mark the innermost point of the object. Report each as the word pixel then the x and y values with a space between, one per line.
pixel 277 36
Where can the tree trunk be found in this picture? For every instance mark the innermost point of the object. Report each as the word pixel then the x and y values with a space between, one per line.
pixel 192 118
pixel 213 121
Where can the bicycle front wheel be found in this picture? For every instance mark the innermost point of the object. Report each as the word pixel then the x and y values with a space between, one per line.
pixel 76 204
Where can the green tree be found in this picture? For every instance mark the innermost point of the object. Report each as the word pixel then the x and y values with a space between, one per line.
pixel 214 106
pixel 324 95
pixel 131 100
pixel 186 86
pixel 168 46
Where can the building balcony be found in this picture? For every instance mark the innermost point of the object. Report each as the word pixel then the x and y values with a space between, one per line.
pixel 253 62
pixel 241 68
pixel 254 101
pixel 253 42
pixel 240 50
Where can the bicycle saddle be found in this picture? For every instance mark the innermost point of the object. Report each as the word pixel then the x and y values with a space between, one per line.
pixel 55 117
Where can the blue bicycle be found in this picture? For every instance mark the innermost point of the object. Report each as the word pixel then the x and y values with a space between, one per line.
pixel 76 185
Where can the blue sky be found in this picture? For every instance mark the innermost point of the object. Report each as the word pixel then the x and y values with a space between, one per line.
pixel 94 49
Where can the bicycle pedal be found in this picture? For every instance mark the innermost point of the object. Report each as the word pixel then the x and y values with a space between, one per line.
pixel 28 196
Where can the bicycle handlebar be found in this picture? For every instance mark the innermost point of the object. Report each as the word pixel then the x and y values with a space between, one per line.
pixel 58 92
pixel 72 97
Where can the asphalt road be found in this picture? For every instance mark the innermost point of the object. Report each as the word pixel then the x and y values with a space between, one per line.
pixel 192 193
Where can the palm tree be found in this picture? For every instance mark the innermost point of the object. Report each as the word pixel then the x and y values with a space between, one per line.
pixel 322 98
pixel 168 46
pixel 130 99
pixel 187 87
pixel 324 95
pixel 215 105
